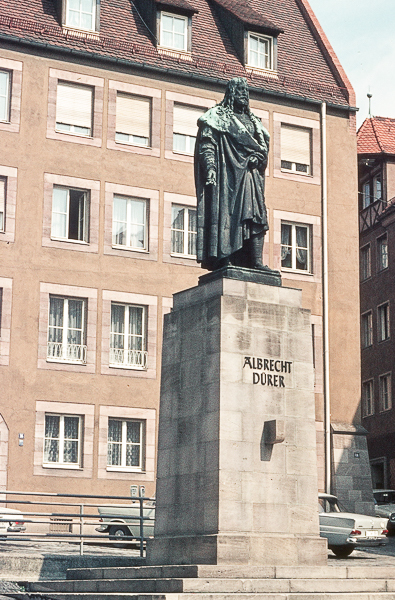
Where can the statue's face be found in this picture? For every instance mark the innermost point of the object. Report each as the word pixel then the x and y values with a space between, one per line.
pixel 241 94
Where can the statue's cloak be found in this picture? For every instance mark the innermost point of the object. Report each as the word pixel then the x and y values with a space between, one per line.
pixel 229 212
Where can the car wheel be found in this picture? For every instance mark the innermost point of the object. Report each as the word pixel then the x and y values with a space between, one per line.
pixel 342 551
pixel 118 533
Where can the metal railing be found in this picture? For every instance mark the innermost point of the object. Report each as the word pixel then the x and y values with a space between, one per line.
pixel 130 358
pixel 77 515
pixel 60 352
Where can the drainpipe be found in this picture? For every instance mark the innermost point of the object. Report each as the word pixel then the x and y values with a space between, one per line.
pixel 327 404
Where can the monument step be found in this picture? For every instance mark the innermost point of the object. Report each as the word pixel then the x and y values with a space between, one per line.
pixel 268 596
pixel 207 587
pixel 233 572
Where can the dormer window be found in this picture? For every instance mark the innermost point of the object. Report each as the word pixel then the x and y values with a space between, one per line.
pixel 81 14
pixel 260 51
pixel 173 32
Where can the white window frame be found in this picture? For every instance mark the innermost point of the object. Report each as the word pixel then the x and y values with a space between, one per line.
pixel 61 463
pixel 294 247
pixel 382 257
pixel 123 467
pixel 79 26
pixel 7 96
pixel 377 187
pixel 190 140
pixel 72 128
pixel 85 217
pixel 366 195
pixel 383 324
pixel 366 262
pixel 270 54
pixel 368 401
pixel 367 329
pixel 131 359
pixel 69 353
pixel 186 31
pixel 385 395
pixel 131 138
pixel 130 224
pixel 293 168
pixel 185 231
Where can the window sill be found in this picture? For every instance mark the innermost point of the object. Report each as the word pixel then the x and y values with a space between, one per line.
pixel 296 272
pixel 382 270
pixel 300 173
pixel 182 153
pixel 65 362
pixel 128 249
pixel 261 71
pixel 73 134
pixel 383 341
pixel 385 410
pixel 188 256
pixel 119 142
pixel 79 32
pixel 59 466
pixel 124 469
pixel 67 240
pixel 127 367
pixel 174 53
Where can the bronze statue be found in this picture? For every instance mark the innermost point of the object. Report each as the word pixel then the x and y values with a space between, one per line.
pixel 230 161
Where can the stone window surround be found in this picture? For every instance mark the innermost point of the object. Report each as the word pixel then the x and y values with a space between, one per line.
pixel 148 415
pixel 152 196
pixel 67 291
pixel 381 305
pixel 389 375
pixel 93 188
pixel 15 67
pixel 64 408
pixel 136 90
pixel 5 325
pixel 314 125
pixel 316 244
pixel 363 403
pixel 151 302
pixel 193 101
pixel 10 174
pixel 168 200
pixel 97 83
pixel 364 314
pixel 369 248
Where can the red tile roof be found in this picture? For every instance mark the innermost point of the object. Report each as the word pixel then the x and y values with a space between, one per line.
pixel 307 66
pixel 376 136
pixel 178 4
pixel 246 14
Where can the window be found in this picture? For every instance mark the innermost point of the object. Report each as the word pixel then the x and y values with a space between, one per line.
pixel 296 149
pixel 5 92
pixel 367 398
pixel 74 108
pixel 367 329
pixel 3 185
pixel 366 197
pixel 185 128
pixel 128 336
pixel 366 271
pixel 174 31
pixel 130 223
pixel 66 330
pixel 125 444
pixel 70 214
pixel 183 230
pixel 385 392
pixel 260 51
pixel 295 247
pixel 62 441
pixel 377 188
pixel 81 14
pixel 133 120
pixel 383 314
pixel 382 253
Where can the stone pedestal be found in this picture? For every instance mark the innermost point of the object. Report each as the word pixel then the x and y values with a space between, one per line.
pixel 237 466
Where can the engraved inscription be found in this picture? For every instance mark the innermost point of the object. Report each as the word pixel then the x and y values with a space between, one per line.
pixel 268 371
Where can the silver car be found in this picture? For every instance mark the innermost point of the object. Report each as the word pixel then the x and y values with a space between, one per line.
pixel 347 531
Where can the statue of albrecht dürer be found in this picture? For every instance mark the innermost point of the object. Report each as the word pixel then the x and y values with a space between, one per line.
pixel 230 161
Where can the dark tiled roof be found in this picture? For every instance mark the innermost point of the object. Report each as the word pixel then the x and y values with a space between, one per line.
pixel 246 14
pixel 178 4
pixel 304 69
pixel 377 136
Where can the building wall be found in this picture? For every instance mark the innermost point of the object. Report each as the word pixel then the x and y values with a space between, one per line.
pixel 33 264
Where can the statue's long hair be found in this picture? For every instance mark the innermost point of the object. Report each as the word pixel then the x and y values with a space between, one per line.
pixel 229 98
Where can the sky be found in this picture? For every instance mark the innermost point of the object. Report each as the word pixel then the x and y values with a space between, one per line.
pixel 362 34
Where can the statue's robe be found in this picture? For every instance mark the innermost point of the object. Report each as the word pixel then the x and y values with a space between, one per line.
pixel 232 210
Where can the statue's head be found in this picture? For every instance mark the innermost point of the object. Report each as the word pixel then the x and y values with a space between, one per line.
pixel 236 93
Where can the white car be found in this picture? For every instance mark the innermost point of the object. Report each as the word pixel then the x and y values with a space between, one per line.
pixel 11 521
pixel 122 521
pixel 384 506
pixel 347 531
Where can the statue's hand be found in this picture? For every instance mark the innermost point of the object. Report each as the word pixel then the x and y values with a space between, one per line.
pixel 253 162
pixel 211 177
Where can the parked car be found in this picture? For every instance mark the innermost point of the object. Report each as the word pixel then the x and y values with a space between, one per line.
pixel 347 531
pixel 8 526
pixel 384 505
pixel 121 521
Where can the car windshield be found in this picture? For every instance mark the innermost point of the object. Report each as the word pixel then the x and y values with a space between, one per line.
pixel 328 505
pixel 387 497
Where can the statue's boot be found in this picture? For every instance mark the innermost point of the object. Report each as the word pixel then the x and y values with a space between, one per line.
pixel 257 251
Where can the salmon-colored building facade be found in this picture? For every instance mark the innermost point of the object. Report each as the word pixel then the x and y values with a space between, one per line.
pixel 99 105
